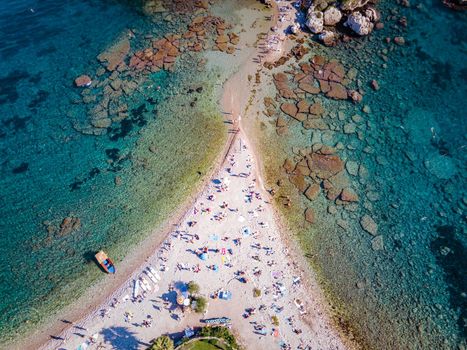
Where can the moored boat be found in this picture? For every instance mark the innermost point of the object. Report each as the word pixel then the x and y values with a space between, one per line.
pixel 105 262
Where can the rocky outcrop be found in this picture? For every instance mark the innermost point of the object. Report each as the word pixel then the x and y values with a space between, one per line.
pixel 351 5
pixel 328 38
pixel 332 16
pixel 83 81
pixel 68 225
pixel 309 215
pixel 359 23
pixel 315 21
pixel 115 55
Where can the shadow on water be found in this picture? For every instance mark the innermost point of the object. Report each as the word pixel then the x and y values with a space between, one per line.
pixel 451 256
pixel 121 338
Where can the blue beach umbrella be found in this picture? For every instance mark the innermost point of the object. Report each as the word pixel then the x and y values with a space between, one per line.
pixel 246 231
pixel 203 256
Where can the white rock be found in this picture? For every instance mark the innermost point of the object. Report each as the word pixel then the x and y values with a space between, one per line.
pixel 372 14
pixel 315 21
pixel 294 28
pixel 332 16
pixel 359 23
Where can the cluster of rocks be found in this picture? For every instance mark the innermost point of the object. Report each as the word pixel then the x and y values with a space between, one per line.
pixel 67 226
pixel 204 32
pixel 123 71
pixel 322 18
pixel 316 77
pixel 320 170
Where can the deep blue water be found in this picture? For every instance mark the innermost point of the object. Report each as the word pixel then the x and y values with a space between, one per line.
pixel 44 46
pixel 413 143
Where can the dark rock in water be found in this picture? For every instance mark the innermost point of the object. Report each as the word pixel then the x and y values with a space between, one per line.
pixel 374 84
pixel 310 215
pixel 68 225
pixel 16 122
pixel 458 5
pixel 369 225
pixel 450 253
pixel 117 180
pixel 23 167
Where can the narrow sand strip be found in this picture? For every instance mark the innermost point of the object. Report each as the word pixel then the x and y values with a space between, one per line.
pixel 235 221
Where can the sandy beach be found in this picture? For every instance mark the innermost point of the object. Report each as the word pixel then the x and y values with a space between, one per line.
pixel 235 221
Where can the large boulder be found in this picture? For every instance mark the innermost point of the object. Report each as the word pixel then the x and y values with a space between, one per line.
pixel 315 21
pixel 359 23
pixel 325 166
pixel 332 16
pixel 327 37
pixel 289 109
pixel 351 5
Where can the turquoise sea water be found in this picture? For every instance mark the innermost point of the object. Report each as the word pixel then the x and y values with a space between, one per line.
pixel 406 289
pixel 121 184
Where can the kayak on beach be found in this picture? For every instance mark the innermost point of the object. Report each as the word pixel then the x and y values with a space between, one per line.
pixel 105 262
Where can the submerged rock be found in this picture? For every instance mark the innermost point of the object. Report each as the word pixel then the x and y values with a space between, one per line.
pixel 310 215
pixel 325 166
pixel 68 225
pixel 377 243
pixel 369 225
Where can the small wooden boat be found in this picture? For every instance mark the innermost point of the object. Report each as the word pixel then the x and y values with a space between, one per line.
pixel 106 263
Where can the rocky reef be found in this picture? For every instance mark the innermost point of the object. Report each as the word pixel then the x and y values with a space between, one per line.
pixel 332 21
pixel 105 94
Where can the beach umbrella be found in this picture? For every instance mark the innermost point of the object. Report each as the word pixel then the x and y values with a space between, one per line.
pixel 82 346
pixel 203 256
pixel 180 300
pixel 186 302
pixel 246 231
pixel 215 268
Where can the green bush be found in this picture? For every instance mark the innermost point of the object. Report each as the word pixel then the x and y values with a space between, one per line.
pixel 193 287
pixel 201 305
pixel 221 333
pixel 162 343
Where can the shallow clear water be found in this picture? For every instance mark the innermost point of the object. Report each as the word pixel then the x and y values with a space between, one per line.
pixel 412 145
pixel 121 184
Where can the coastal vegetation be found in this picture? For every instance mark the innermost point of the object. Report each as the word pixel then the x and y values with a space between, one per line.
pixel 201 304
pixel 162 343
